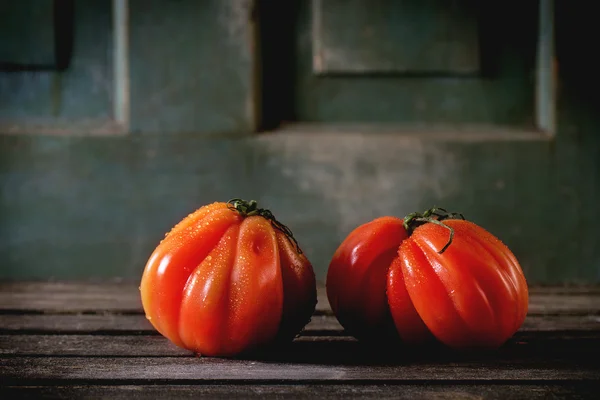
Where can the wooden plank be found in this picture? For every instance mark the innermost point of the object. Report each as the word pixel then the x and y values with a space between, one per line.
pixel 99 370
pixel 394 37
pixel 320 324
pixel 561 322
pixel 84 296
pixel 84 345
pixel 529 346
pixel 75 323
pixel 114 324
pixel 564 304
pixel 579 390
pixel 70 296
pixel 569 290
pixel 124 297
pixel 117 286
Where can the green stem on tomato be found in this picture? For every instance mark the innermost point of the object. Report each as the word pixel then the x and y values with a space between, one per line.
pixel 434 215
pixel 250 208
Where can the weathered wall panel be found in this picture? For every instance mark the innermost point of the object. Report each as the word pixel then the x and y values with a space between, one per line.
pixel 191 66
pixel 82 92
pixel 81 207
pixel 395 37
pixel 21 45
pixel 501 93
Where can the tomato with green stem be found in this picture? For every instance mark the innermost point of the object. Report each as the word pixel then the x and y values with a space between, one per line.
pixel 429 275
pixel 229 278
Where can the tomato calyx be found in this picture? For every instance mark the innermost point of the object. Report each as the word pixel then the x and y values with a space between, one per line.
pixel 250 208
pixel 434 215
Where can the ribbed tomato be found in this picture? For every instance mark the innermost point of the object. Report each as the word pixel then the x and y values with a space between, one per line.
pixel 430 275
pixel 227 279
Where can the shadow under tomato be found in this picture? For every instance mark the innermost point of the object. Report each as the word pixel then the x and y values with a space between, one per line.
pixel 344 350
pixel 335 351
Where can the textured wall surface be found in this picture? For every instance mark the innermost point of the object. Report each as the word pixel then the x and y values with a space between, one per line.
pixel 83 207
pixel 75 206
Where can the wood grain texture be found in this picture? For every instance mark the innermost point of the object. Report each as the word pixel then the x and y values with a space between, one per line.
pixel 115 324
pixel 109 323
pixel 124 297
pixel 578 390
pixel 27 370
pixel 323 348
pixel 58 351
pixel 70 297
pixel 87 346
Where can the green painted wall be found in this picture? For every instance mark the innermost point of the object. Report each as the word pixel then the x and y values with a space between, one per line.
pixel 93 207
pixel 83 92
pixel 499 92
pixel 96 207
pixel 191 67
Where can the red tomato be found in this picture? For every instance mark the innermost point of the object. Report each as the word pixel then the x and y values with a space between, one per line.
pixel 227 279
pixel 431 275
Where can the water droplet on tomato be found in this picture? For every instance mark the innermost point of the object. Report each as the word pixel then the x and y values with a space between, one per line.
pixel 149 318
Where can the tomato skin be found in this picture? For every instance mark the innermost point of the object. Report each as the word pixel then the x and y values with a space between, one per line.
pixel 221 283
pixel 356 277
pixel 474 294
pixel 476 284
pixel 408 322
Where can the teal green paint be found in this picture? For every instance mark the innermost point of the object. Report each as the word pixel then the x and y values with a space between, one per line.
pixel 81 207
pixel 190 71
pixel 85 207
pixel 502 94
pixel 19 44
pixel 191 67
pixel 386 36
pixel 83 91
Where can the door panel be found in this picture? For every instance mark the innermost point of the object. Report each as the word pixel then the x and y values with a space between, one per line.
pixel 411 90
pixel 38 91
pixel 383 36
pixel 95 207
pixel 19 44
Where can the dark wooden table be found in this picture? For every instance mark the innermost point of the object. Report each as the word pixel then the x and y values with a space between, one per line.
pixel 75 340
